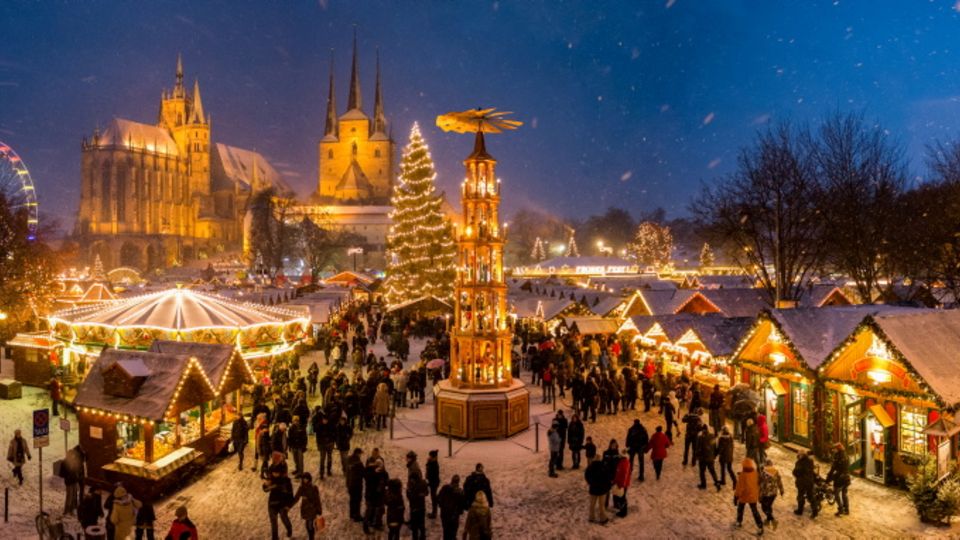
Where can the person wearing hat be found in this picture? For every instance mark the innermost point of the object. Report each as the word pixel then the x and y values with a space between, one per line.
pixel 840 475
pixel 182 528
pixel 433 481
pixel 123 514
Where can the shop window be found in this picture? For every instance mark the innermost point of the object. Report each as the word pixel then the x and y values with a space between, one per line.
pixel 130 441
pixel 164 440
pixel 189 425
pixel 912 422
pixel 800 402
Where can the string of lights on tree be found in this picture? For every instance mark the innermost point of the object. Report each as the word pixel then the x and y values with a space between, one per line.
pixel 420 247
pixel 572 250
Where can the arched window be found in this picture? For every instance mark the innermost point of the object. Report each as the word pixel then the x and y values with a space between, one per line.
pixel 329 154
pixel 376 153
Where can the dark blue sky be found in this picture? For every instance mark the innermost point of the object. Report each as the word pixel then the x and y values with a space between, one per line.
pixel 625 103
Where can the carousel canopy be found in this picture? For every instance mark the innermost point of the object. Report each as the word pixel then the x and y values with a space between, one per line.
pixel 177 309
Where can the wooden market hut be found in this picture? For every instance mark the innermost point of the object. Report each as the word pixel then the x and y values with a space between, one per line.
pixel 699 345
pixel 36 356
pixel 779 356
pixel 886 387
pixel 149 418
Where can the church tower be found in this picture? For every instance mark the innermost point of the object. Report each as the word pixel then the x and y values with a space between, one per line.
pixel 355 155
pixel 183 116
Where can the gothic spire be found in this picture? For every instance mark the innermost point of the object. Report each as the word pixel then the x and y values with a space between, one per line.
pixel 330 128
pixel 379 119
pixel 196 106
pixel 179 86
pixel 355 101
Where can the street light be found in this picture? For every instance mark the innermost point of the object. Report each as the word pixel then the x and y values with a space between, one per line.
pixel 3 315
pixel 355 251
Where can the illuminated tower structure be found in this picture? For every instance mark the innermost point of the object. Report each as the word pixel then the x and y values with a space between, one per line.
pixel 481 399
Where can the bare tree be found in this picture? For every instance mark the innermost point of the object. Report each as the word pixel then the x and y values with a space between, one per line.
pixel 863 174
pixel 929 241
pixel 766 212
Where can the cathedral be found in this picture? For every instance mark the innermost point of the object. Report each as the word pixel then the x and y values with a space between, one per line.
pixel 355 167
pixel 159 195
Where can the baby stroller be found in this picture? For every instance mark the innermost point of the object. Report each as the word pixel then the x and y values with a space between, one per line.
pixel 823 490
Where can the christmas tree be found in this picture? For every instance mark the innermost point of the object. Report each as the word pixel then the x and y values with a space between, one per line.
pixel 706 255
pixel 420 247
pixel 98 274
pixel 572 250
pixel 653 245
pixel 538 253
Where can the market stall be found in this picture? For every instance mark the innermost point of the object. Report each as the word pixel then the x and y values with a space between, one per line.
pixel 37 358
pixel 887 386
pixel 779 356
pixel 146 417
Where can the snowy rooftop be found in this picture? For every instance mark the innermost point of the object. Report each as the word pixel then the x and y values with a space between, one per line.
pixel 929 340
pixel 816 332
pixel 130 134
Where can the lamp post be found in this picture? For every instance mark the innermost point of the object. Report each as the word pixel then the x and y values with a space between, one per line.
pixel 355 251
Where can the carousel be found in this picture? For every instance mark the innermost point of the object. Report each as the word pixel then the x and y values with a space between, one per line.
pixel 260 333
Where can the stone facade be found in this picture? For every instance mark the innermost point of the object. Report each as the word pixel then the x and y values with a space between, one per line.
pixel 153 196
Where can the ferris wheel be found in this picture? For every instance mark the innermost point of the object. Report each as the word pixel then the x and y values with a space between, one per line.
pixel 17 186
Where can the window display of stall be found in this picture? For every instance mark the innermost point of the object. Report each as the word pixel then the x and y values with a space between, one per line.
pixel 912 422
pixel 189 425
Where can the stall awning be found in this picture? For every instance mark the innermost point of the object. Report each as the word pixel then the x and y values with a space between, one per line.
pixel 881 414
pixel 941 427
pixel 776 386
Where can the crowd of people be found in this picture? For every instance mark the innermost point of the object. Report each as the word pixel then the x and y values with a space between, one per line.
pixel 359 391
pixel 588 368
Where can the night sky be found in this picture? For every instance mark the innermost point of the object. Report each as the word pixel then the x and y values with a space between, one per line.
pixel 630 105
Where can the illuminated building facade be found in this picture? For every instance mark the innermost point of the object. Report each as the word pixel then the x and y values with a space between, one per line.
pixel 155 195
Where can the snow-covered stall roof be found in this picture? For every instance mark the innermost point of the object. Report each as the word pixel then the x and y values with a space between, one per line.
pixel 152 398
pixel 213 358
pixel 664 302
pixel 737 302
pixel 592 325
pixel 177 309
pixel 816 332
pixel 929 341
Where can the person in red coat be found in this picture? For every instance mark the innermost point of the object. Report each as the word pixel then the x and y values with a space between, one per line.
pixel 182 528
pixel 764 430
pixel 55 395
pixel 658 445
pixel 621 482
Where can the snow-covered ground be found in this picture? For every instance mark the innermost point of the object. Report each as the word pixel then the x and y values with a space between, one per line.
pixel 225 503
